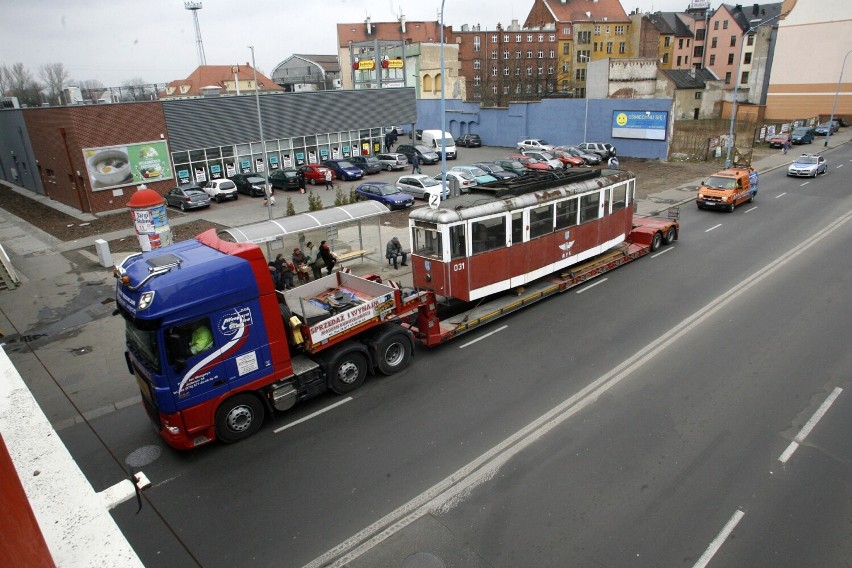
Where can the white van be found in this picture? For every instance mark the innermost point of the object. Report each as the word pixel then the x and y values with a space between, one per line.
pixel 432 140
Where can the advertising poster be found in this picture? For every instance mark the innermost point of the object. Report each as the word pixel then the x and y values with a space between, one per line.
pixel 152 227
pixel 288 162
pixel 300 158
pixel 273 162
pixel 215 171
pixel 312 157
pixel 639 124
pixel 183 176
pixel 346 151
pixel 245 167
pixel 200 175
pixel 335 153
pixel 259 166
pixel 230 169
pixel 323 153
pixel 365 148
pixel 131 164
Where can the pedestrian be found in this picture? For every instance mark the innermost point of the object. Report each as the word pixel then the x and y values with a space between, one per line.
pixel 300 175
pixel 314 260
pixel 285 272
pixel 612 163
pixel 415 164
pixel 327 257
pixel 268 196
pixel 786 145
pixel 329 180
pixel 393 250
pixel 393 139
pixel 388 142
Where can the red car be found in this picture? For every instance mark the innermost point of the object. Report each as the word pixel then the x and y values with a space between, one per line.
pixel 567 159
pixel 314 173
pixel 529 163
pixel 779 140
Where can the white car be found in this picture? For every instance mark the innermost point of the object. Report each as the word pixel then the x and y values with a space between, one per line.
pixel 546 158
pixel 464 180
pixel 221 189
pixel 418 185
pixel 535 144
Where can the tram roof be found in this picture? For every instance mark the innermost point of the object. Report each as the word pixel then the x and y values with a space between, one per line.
pixel 528 190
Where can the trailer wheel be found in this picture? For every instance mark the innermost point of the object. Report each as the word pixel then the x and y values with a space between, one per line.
pixel 348 372
pixel 394 353
pixel 670 236
pixel 238 418
pixel 656 241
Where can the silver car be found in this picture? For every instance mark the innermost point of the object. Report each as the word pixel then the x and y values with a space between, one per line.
pixel 392 162
pixel 808 165
pixel 418 185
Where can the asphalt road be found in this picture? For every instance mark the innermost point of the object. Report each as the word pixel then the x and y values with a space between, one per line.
pixel 622 424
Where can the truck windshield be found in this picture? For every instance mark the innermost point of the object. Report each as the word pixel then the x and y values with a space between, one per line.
pixel 720 182
pixel 144 345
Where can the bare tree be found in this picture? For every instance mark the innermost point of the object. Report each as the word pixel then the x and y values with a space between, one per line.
pixel 19 82
pixel 135 90
pixel 55 78
pixel 91 89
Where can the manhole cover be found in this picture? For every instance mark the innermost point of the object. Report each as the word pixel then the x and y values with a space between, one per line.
pixel 423 560
pixel 143 456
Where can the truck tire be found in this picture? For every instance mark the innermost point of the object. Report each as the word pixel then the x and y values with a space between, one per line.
pixel 656 241
pixel 394 353
pixel 670 236
pixel 238 418
pixel 348 372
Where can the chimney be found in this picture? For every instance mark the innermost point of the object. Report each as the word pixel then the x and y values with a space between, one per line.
pixel 755 9
pixel 402 22
pixel 369 26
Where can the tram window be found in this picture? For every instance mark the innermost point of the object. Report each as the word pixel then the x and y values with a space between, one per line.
pixel 541 221
pixel 457 242
pixel 517 227
pixel 619 197
pixel 488 234
pixel 566 213
pixel 589 206
pixel 606 201
pixel 427 242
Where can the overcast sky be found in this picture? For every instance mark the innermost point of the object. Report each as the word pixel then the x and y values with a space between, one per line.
pixel 155 39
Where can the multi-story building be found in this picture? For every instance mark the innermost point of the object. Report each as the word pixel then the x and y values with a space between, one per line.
pixel 300 73
pixel 219 80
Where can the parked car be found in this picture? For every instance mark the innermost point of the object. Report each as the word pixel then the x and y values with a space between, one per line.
pixel 369 164
pixel 384 193
pixel 824 129
pixel 779 140
pixel 469 141
pixel 418 185
pixel 392 161
pixel 221 189
pixel 424 154
pixel 567 159
pixel 534 144
pixel 808 165
pixel 529 163
pixel 418 134
pixel 511 165
pixel 545 158
pixel 344 169
pixel 602 149
pixel 496 170
pixel 284 179
pixel 480 175
pixel 249 184
pixel 464 180
pixel 398 129
pixel 187 196
pixel 802 135
pixel 314 173
pixel 591 159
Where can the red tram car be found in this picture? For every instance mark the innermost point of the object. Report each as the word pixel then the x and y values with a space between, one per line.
pixel 508 233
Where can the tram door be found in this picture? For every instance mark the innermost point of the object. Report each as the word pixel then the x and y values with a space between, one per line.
pixel 517 250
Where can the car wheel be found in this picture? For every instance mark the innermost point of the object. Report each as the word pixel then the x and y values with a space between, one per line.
pixel 731 207
pixel 183 207
pixel 218 199
pixel 312 181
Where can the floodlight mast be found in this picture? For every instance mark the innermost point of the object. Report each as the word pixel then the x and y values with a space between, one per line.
pixel 194 7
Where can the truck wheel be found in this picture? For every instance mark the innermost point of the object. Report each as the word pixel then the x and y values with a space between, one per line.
pixel 238 418
pixel 349 372
pixel 656 241
pixel 670 236
pixel 394 353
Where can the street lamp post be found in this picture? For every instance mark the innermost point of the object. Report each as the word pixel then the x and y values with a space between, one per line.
pixel 266 189
pixel 836 94
pixel 443 111
pixel 737 86
pixel 586 58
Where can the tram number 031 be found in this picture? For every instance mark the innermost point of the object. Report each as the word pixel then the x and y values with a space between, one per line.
pixel 458 267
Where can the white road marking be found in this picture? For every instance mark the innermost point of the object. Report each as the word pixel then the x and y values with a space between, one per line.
pixel 780 195
pixel 840 165
pixel 664 251
pixel 453 489
pixel 481 337
pixel 592 285
pixel 719 540
pixel 713 227
pixel 750 210
pixel 804 184
pixel 314 415
pixel 809 425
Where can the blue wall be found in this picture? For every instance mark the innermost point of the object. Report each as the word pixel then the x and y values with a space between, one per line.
pixel 559 121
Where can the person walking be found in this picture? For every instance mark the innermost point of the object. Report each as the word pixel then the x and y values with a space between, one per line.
pixel 329 180
pixel 415 164
pixel 787 145
pixel 300 175
pixel 393 250
pixel 314 260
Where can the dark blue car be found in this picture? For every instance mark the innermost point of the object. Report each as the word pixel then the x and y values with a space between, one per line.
pixel 384 193
pixel 344 169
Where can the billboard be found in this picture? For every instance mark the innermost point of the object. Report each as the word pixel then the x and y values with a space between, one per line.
pixel 129 164
pixel 640 124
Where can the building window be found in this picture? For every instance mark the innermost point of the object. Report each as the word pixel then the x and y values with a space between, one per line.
pixel 550 69
pixel 584 37
pixel 518 54
pixel 733 41
pixel 518 38
pixel 597 30
pixel 494 89
pixel 678 61
pixel 564 85
pixel 476 43
pixel 540 38
pixel 730 59
pixel 619 30
pixel 750 39
pixel 744 78
pixel 529 38
pixel 566 67
pixel 505 71
pixel 494 38
pixel 713 43
pixel 494 71
pixel 494 54
pixel 728 78
pixel 566 31
pixel 477 80
pixel 505 54
pixel 583 56
pixel 517 89
pixel 747 58
pixel 529 89
pixel 712 60
pixel 529 54
pixel 581 74
pixel 609 47
pixel 541 54
pixel 552 54
pixel 506 38
pixel 698 51
pixel 566 49
pixel 477 64
pixel 697 95
pixel 540 70
pixel 529 70
pixel 665 58
pixel 622 47
pixel 725 25
pixel 518 71
pixel 716 25
pixel 506 90
pixel 552 37
pixel 679 43
pixel 699 34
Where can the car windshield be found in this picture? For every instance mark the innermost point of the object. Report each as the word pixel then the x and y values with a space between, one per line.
pixel 255 179
pixel 227 185
pixel 345 164
pixel 429 182
pixel 423 149
pixel 386 190
pixel 496 168
pixel 720 182
pixel 543 142
pixel 800 131
pixel 807 160
pixel 515 164
pixel 371 160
